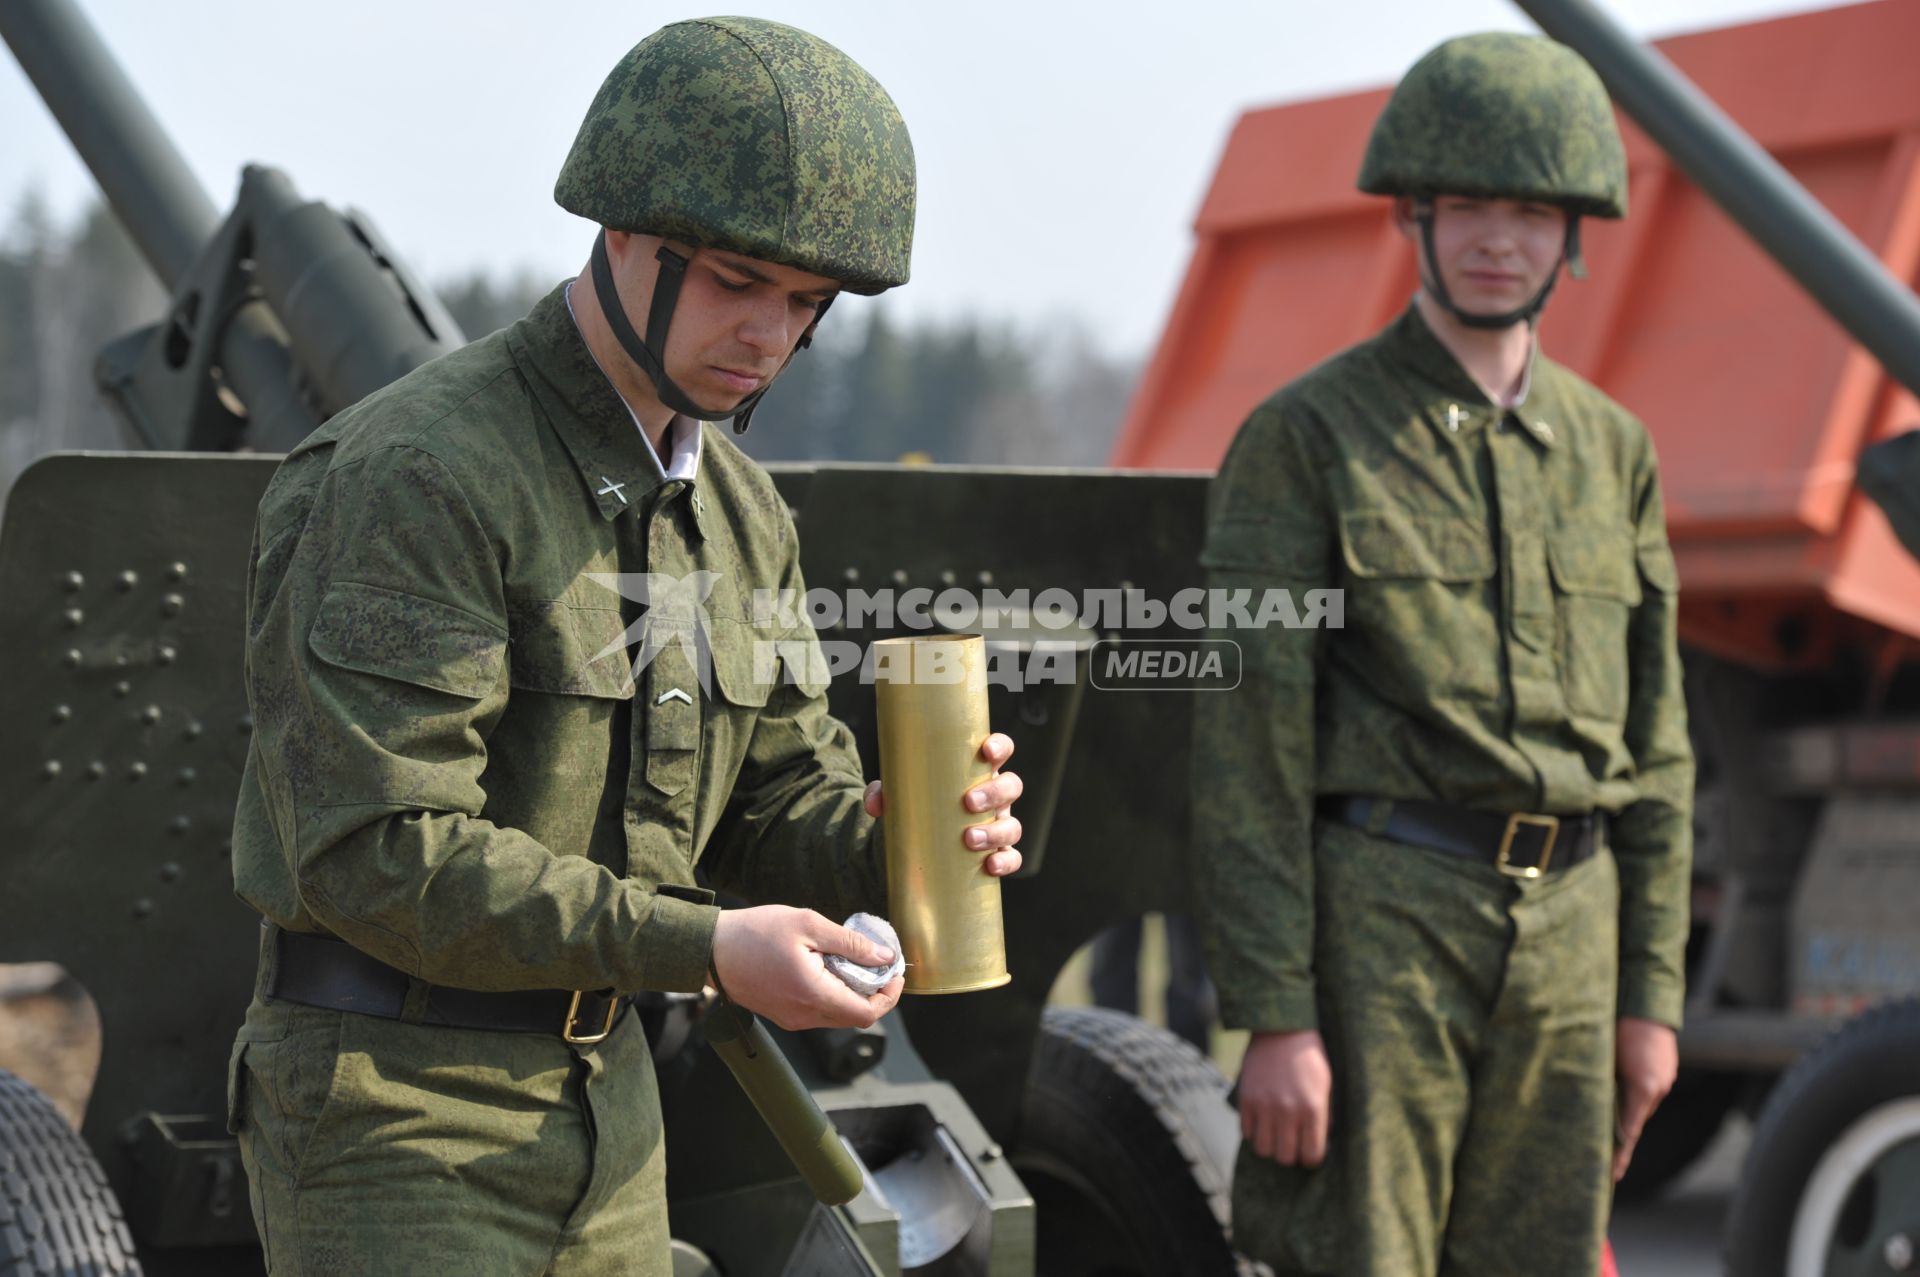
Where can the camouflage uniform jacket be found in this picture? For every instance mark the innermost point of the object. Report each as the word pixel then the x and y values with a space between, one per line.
pixel 455 767
pixel 1509 644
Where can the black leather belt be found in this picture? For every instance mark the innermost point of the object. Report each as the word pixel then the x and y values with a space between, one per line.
pixel 319 971
pixel 1520 845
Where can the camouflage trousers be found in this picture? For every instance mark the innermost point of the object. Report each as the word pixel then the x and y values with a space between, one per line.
pixel 1469 1022
pixel 379 1147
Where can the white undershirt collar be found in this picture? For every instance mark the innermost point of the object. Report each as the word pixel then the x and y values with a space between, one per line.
pixel 684 436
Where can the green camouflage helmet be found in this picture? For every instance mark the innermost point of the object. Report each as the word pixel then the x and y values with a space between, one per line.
pixel 752 136
pixel 1501 116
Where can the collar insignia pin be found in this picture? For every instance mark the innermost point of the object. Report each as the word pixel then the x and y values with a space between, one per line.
pixel 1453 417
pixel 614 488
pixel 673 694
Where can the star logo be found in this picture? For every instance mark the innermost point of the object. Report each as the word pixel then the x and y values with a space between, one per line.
pixel 675 613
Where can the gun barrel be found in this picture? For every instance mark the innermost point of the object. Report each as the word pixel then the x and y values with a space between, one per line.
pixel 357 321
pixel 785 1104
pixel 159 201
pixel 1787 222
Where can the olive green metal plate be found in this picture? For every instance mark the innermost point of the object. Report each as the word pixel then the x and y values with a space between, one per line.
pixel 124 577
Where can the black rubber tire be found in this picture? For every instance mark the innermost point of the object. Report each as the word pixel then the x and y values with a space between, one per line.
pixel 58 1217
pixel 1679 1131
pixel 1127 1144
pixel 1871 1060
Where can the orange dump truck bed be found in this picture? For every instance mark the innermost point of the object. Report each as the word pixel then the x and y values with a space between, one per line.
pixel 1758 403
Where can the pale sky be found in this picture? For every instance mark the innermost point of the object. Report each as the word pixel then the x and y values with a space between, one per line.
pixel 1063 148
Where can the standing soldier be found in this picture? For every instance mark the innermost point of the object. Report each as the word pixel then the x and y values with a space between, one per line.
pixel 1445 848
pixel 471 826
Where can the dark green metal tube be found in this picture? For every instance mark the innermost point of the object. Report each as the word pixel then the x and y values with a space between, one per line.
pixel 784 1103
pixel 1789 224
pixel 159 201
pixel 351 324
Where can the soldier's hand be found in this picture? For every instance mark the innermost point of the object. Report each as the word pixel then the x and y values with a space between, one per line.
pixel 996 794
pixel 1286 1093
pixel 771 961
pixel 1646 1061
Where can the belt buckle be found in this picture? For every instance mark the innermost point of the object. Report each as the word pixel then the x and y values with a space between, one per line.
pixel 571 1038
pixel 1549 823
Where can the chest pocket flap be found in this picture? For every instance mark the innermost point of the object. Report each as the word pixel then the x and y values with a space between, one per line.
pixel 571 651
pixel 747 661
pixel 1601 562
pixel 409 638
pixel 1392 543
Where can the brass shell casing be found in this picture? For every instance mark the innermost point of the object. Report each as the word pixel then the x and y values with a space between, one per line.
pixel 931 695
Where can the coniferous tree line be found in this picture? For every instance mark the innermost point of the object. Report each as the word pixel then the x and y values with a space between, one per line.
pixel 872 388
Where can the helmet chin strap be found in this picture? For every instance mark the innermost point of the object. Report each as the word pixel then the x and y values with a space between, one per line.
pixel 651 354
pixel 1523 314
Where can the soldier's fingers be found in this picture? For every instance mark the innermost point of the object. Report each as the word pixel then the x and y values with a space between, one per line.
pixel 997 748
pixel 1002 863
pixel 1286 1137
pixel 874 801
pixel 1628 1122
pixel 1635 1107
pixel 996 793
pixel 1313 1139
pixel 829 937
pixel 888 997
pixel 839 1007
pixel 1004 832
pixel 1266 1131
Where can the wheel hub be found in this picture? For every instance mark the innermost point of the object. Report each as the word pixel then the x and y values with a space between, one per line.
pixel 1860 1211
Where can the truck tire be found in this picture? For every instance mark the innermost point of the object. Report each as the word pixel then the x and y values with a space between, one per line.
pixel 58 1218
pixel 1127 1144
pixel 1833 1179
pixel 1679 1131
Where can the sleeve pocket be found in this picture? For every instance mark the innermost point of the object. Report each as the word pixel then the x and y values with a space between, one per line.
pixel 408 638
